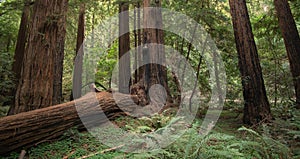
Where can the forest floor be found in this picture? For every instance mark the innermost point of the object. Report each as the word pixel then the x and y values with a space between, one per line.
pixel 228 139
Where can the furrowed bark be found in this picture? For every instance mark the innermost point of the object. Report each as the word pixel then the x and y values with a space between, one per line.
pixel 27 129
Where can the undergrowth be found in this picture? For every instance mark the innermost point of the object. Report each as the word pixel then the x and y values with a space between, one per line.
pixel 241 143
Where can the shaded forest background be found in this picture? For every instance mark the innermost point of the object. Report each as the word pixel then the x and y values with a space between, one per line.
pixel 217 21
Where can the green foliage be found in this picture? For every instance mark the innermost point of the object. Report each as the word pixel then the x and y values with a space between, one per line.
pixel 9 25
pixel 242 144
pixel 3 111
pixel 6 77
pixel 286 131
pixel 106 64
pixel 220 145
pixel 145 124
pixel 272 54
pixel 73 144
pixel 265 146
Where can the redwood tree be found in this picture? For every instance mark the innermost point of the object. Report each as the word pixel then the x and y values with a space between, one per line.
pixel 124 47
pixel 154 73
pixel 256 106
pixel 291 40
pixel 22 37
pixel 20 48
pixel 77 74
pixel 40 83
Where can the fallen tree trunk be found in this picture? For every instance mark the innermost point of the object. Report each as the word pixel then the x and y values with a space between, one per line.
pixel 27 129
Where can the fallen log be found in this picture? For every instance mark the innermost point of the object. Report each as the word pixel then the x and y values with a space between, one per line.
pixel 27 129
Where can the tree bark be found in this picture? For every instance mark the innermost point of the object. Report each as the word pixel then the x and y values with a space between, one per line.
pixel 60 9
pixel 78 65
pixel 139 41
pixel 124 47
pixel 256 107
pixel 135 64
pixel 40 84
pixel 292 42
pixel 27 129
pixel 22 37
pixel 19 52
pixel 154 54
pixel 153 49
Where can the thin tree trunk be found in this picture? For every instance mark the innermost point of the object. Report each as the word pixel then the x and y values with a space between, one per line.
pixel 124 47
pixel 19 52
pixel 292 42
pixel 135 66
pixel 139 36
pixel 58 45
pixel 257 107
pixel 195 83
pixel 189 50
pixel 77 75
pixel 21 42
pixel 88 74
pixel 8 44
pixel 40 84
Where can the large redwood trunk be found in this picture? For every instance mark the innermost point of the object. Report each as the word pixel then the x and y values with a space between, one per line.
pixel 30 128
pixel 153 53
pixel 153 50
pixel 292 42
pixel 40 84
pixel 256 107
